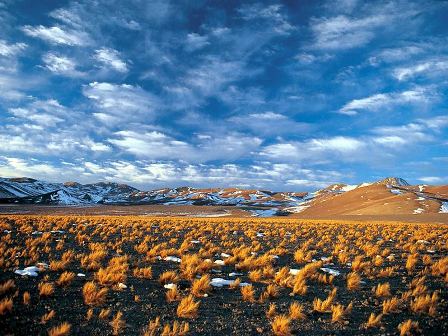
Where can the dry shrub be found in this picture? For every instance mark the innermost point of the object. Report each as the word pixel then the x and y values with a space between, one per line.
pixel 411 262
pixel 65 279
pixel 281 326
pixel 373 321
pixel 248 293
pixel 61 330
pixel 339 312
pixel 7 286
pixel 408 328
pixel 270 313
pixel 391 306
pixel 104 313
pixel 188 308
pixel 353 281
pixel 47 317
pixel 299 286
pixel 425 304
pixel 117 323
pixel 45 289
pixel 173 294
pixel 26 298
pixel 382 290
pixel 168 277
pixel 178 329
pixel 92 295
pixel 6 306
pixel 201 286
pixel 296 311
pixel 325 305
pixel 144 272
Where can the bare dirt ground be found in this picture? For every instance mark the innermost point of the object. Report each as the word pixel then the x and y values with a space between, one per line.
pixel 202 211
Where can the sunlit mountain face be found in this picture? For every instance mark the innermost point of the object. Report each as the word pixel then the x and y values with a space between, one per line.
pixel 268 95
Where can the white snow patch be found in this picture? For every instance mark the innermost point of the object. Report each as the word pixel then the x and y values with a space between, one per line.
pixel 418 211
pixel 169 286
pixel 330 271
pixel 220 282
pixel 219 262
pixel 234 274
pixel 444 207
pixel 225 255
pixel 395 191
pixel 30 271
pixel 81 275
pixel 348 187
pixel 172 258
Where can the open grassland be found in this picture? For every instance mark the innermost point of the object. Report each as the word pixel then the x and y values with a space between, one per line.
pixel 130 275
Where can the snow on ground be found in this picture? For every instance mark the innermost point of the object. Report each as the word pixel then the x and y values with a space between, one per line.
pixel 220 282
pixel 395 191
pixel 444 207
pixel 330 271
pixel 349 187
pixel 264 213
pixel 172 258
pixel 30 271
pixel 418 211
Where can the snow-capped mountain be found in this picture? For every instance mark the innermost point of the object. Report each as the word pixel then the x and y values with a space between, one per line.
pixel 391 195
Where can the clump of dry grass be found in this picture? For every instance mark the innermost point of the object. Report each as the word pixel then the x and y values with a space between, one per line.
pixel 324 306
pixel 144 272
pixel 7 286
pixel 270 313
pixel 408 328
pixel 353 281
pixel 178 329
pixel 201 286
pixel 382 290
pixel 104 313
pixel 248 293
pixel 26 298
pixel 45 289
pixel 168 277
pixel 188 308
pixel 281 325
pixel 6 306
pixel 425 304
pixel 173 294
pixel 61 330
pixel 117 323
pixel 296 311
pixel 339 312
pixel 65 279
pixel 92 295
pixel 47 317
pixel 373 321
pixel 391 306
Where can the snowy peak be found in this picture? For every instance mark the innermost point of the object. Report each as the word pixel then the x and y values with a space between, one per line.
pixel 393 181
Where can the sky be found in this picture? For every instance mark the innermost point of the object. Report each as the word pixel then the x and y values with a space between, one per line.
pixel 280 95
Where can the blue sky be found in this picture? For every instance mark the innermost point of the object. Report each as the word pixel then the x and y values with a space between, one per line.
pixel 284 95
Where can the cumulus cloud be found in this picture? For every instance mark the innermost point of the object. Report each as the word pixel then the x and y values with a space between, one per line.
pixel 111 59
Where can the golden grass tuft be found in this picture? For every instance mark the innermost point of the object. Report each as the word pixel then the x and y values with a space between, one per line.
pixel 65 279
pixel 188 308
pixel 339 312
pixel 26 298
pixel 173 294
pixel 391 306
pixel 6 306
pixel 7 286
pixel 281 326
pixel 178 329
pixel 168 277
pixel 296 311
pixel 248 293
pixel 270 313
pixel 408 328
pixel 47 317
pixel 45 289
pixel 117 323
pixel 382 290
pixel 61 330
pixel 374 321
pixel 92 295
pixel 353 281
pixel 201 286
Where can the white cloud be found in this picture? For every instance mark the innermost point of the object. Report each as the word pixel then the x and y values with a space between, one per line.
pixel 120 103
pixel 430 179
pixel 270 14
pixel 195 41
pixel 155 145
pixel 387 100
pixel 389 55
pixel 58 35
pixel 343 32
pixel 111 58
pixel 61 65
pixel 433 67
pixel 45 113
pixel 9 50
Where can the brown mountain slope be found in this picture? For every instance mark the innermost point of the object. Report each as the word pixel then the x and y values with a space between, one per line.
pixel 375 199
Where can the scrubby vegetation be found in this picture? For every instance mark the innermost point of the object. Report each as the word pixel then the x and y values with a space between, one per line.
pixel 127 275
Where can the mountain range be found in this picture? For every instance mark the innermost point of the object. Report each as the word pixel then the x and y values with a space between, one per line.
pixel 388 196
